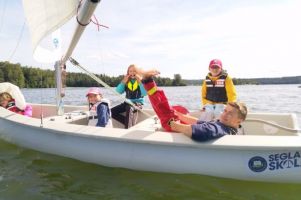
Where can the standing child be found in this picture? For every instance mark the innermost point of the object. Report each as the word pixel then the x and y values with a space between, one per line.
pixel 134 92
pixel 99 109
pixel 217 90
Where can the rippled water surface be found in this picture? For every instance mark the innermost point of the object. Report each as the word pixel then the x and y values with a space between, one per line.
pixel 27 174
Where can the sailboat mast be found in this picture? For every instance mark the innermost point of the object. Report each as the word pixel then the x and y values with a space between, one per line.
pixel 83 17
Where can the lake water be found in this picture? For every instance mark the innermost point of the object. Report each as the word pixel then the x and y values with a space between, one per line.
pixel 27 174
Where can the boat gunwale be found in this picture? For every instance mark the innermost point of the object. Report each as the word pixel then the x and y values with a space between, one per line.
pixel 226 142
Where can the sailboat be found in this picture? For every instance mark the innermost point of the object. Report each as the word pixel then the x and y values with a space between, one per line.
pixel 267 149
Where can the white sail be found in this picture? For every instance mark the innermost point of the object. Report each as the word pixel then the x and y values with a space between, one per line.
pixel 53 52
pixel 45 16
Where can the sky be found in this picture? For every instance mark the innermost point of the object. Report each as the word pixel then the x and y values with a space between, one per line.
pixel 253 39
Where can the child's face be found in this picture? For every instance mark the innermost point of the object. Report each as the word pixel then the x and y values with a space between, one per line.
pixel 132 72
pixel 93 98
pixel 4 103
pixel 215 70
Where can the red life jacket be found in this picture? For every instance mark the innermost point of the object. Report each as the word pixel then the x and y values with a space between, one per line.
pixel 12 107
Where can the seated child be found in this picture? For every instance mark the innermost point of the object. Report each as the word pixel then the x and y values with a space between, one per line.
pixel 99 109
pixel 12 99
pixel 134 93
pixel 8 102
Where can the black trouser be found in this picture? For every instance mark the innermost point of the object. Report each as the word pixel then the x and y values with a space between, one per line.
pixel 131 114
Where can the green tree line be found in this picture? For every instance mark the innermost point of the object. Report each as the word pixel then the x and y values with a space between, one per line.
pixel 30 77
pixel 255 81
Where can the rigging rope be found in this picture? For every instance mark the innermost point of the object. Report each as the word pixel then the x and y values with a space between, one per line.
pixel 75 63
pixel 41 104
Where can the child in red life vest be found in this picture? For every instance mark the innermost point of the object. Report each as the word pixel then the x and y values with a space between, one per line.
pixel 99 109
pixel 6 101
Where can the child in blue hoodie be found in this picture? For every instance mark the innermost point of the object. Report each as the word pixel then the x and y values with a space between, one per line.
pixel 99 109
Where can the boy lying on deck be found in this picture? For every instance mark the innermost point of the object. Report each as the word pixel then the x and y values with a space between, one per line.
pixel 228 123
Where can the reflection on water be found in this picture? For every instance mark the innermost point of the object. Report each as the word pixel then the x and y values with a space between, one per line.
pixel 27 174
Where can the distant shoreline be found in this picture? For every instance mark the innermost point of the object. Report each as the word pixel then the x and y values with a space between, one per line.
pixel 256 81
pixel 30 77
pixel 297 85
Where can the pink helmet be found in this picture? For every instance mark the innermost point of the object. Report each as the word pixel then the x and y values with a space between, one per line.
pixel 93 90
pixel 216 62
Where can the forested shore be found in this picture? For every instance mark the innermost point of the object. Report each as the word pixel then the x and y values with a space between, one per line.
pixel 31 77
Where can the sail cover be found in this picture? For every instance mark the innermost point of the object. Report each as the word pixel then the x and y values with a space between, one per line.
pixel 45 16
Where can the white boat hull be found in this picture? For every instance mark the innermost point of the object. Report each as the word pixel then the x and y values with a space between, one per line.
pixel 143 147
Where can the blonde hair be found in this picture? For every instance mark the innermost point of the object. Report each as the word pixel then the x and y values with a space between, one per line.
pixel 5 96
pixel 132 66
pixel 241 108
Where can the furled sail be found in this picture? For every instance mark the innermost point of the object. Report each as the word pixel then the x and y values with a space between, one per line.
pixel 45 16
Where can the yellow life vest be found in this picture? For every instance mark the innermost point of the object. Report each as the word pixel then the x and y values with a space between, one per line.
pixel 132 86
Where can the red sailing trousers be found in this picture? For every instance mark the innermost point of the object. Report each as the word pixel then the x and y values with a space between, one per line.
pixel 160 103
